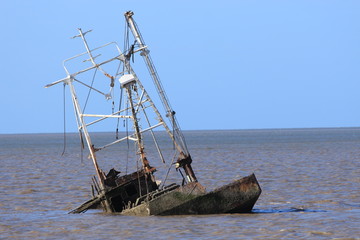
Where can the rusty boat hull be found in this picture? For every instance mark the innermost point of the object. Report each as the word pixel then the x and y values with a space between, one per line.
pixel 239 196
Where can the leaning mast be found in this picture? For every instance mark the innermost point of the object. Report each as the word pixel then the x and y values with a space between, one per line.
pixel 184 158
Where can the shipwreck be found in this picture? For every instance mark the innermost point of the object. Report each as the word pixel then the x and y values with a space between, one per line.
pixel 138 191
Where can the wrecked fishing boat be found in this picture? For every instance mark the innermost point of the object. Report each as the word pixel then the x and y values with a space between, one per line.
pixel 140 192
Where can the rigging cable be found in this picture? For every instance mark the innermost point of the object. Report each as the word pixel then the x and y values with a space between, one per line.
pixel 120 103
pixel 80 132
pixel 118 120
pixel 82 146
pixel 126 38
pixel 112 84
pixel 92 82
pixel 112 107
pixel 126 123
pixel 64 103
pixel 149 124
pixel 173 126
pixel 137 170
pixel 170 166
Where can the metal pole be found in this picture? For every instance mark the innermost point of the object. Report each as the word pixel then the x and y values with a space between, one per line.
pixel 145 54
pixel 144 161
pixel 79 113
pixel 185 158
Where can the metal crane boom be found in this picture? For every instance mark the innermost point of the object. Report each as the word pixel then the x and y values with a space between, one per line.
pixel 185 158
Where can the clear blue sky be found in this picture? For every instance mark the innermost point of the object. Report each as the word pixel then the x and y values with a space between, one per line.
pixel 225 64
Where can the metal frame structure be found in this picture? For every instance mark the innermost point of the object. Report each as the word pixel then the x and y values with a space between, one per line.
pixel 184 160
pixel 138 193
pixel 138 98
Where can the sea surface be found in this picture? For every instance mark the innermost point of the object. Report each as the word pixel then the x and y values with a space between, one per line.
pixel 310 180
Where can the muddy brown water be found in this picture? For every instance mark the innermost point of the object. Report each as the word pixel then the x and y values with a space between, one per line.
pixel 310 180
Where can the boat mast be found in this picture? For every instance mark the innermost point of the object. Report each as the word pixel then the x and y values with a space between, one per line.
pixel 80 115
pixel 184 158
pixel 128 85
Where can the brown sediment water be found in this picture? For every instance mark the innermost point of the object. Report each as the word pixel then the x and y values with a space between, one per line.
pixel 310 180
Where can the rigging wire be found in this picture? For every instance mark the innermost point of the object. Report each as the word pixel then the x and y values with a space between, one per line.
pixel 64 103
pixel 126 122
pixel 82 146
pixel 112 107
pixel 118 120
pixel 170 167
pixel 149 124
pixel 126 38
pixel 173 126
pixel 120 104
pixel 177 134
pixel 77 117
pixel 113 102
pixel 92 82
pixel 137 170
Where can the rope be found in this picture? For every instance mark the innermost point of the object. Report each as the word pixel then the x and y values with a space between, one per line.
pixel 112 107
